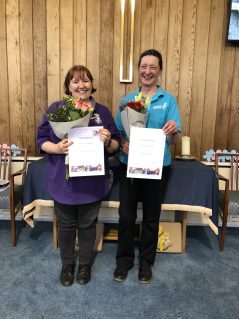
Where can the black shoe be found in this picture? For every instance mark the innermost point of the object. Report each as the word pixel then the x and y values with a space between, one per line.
pixel 145 272
pixel 84 274
pixel 67 274
pixel 121 272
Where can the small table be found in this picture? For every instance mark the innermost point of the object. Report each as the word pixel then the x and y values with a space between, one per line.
pixel 192 187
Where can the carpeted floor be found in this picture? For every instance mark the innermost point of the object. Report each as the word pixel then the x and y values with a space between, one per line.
pixel 202 283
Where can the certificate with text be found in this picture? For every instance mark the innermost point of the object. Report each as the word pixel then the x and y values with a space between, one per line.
pixel 146 153
pixel 86 154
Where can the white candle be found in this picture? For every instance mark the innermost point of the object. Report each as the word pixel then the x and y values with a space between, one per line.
pixel 185 145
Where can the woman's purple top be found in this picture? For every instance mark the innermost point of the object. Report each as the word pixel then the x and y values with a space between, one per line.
pixel 76 190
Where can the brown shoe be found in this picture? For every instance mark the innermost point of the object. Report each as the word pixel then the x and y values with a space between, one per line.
pixel 84 274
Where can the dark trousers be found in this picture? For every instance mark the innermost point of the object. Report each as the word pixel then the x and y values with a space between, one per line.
pixel 71 218
pixel 151 193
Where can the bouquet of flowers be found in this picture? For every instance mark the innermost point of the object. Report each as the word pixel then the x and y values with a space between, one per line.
pixel 75 113
pixel 134 113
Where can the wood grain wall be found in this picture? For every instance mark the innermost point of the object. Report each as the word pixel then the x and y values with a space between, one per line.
pixel 41 39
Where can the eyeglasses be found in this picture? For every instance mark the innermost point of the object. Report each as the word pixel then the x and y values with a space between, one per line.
pixel 151 67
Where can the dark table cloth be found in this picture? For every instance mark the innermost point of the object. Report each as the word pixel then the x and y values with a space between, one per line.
pixel 192 187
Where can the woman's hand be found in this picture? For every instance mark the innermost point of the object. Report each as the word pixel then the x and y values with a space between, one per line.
pixel 105 136
pixel 171 131
pixel 59 148
pixel 125 146
pixel 170 128
pixel 63 146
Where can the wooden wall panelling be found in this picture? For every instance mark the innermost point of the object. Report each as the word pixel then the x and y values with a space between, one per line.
pixel 173 50
pixel 80 24
pixel 160 33
pixel 39 61
pixel 147 24
pixel 53 50
pixel 186 65
pixel 4 114
pixel 199 75
pixel 27 80
pixel 118 88
pixel 200 66
pixel 225 86
pixel 14 76
pixel 106 52
pixel 233 128
pixel 174 42
pixel 93 41
pixel 212 75
pixel 66 40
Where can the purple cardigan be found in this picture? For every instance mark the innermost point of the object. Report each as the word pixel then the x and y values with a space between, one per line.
pixel 77 190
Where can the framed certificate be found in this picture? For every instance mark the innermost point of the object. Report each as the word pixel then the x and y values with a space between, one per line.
pixel 86 154
pixel 146 153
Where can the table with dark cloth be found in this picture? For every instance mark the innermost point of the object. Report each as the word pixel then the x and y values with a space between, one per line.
pixel 192 187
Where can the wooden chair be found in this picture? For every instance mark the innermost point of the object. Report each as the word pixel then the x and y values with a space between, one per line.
pixel 228 197
pixel 12 193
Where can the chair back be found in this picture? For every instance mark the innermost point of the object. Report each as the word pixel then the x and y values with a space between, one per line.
pixel 5 163
pixel 6 159
pixel 228 196
pixel 233 160
pixel 11 193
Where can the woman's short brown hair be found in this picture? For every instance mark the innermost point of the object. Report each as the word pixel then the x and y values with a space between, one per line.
pixel 152 52
pixel 82 71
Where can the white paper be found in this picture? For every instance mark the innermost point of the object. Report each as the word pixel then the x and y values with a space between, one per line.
pixel 61 129
pixel 86 154
pixel 130 117
pixel 146 153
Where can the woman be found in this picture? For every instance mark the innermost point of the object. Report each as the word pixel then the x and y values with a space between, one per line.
pixel 163 114
pixel 77 200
